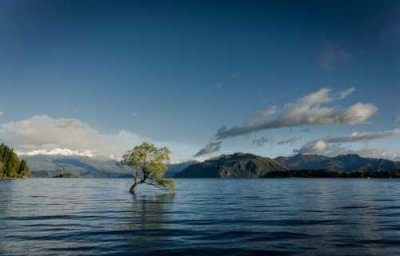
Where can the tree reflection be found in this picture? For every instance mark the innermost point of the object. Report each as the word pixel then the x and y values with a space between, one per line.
pixel 148 221
pixel 6 194
pixel 150 212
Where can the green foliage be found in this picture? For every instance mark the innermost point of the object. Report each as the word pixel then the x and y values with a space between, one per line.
pixel 1 169
pixel 149 163
pixel 23 170
pixel 10 165
pixel 167 183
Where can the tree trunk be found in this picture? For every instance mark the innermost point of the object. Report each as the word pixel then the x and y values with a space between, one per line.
pixel 132 189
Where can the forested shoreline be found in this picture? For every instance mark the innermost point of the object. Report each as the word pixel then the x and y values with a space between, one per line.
pixel 10 164
pixel 333 174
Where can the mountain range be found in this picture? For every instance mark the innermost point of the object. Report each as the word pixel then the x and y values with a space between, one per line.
pixel 47 166
pixel 79 166
pixel 341 163
pixel 253 166
pixel 239 165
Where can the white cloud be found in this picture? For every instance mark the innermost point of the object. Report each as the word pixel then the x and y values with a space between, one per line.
pixel 1 113
pixel 332 146
pixel 45 134
pixel 363 136
pixel 68 136
pixel 314 147
pixel 345 93
pixel 308 110
pixel 322 148
pixel 378 153
pixel 262 117
pixel 58 151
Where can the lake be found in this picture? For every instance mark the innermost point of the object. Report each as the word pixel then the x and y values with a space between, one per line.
pixel 203 217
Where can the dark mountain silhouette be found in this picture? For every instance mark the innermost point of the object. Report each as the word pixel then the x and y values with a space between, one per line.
pixel 238 165
pixel 341 163
pixel 251 166
pixel 174 169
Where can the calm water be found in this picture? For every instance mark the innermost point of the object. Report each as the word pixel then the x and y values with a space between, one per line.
pixel 214 217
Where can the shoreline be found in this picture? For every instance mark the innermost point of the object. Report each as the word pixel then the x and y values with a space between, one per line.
pixel 209 178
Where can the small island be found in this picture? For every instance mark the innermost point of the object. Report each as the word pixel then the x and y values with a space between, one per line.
pixel 65 174
pixel 11 167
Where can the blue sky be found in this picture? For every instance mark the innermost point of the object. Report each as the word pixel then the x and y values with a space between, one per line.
pixel 175 72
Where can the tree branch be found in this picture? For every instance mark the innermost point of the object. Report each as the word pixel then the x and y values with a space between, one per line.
pixel 152 184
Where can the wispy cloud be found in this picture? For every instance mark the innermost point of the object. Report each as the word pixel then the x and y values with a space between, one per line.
pixel 397 119
pixel 345 93
pixel 377 153
pixel 289 141
pixel 322 148
pixel 209 148
pixel 261 117
pixel 261 141
pixel 332 145
pixel 227 80
pixel 331 55
pixel 308 110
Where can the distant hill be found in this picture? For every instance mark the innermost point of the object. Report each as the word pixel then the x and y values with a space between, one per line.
pixel 234 165
pixel 85 167
pixel 238 165
pixel 241 165
pixel 174 169
pixel 341 163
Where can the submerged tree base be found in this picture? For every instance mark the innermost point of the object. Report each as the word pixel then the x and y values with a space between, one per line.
pixel 132 189
pixel 161 184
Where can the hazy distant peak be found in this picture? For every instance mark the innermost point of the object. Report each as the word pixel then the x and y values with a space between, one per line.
pixel 59 152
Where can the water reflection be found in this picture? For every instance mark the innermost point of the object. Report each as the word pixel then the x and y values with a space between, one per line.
pixel 6 190
pixel 151 211
pixel 148 219
pixel 235 217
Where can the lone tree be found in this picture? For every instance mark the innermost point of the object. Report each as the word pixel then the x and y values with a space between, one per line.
pixel 149 165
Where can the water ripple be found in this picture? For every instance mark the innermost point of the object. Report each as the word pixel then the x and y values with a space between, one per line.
pixel 203 217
